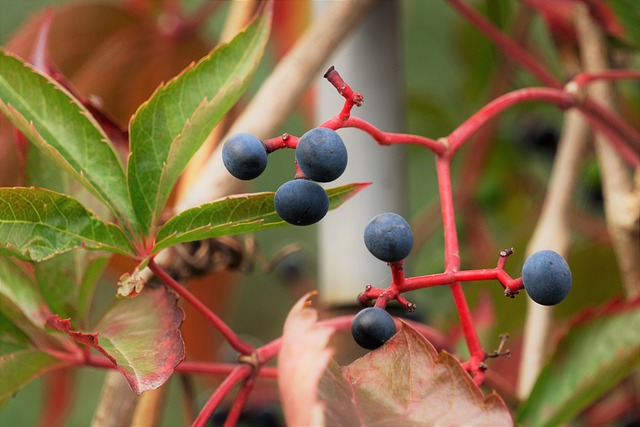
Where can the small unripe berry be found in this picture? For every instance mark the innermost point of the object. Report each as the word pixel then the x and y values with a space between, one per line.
pixel 321 155
pixel 372 327
pixel 546 277
pixel 388 237
pixel 244 156
pixel 301 202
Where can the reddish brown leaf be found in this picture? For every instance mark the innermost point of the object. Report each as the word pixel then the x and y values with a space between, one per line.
pixel 302 360
pixel 406 383
pixel 141 336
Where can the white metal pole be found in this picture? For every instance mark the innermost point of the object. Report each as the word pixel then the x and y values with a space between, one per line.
pixel 370 61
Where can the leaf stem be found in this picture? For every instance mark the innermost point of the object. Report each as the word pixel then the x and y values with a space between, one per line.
pixel 240 402
pixel 232 338
pixel 241 372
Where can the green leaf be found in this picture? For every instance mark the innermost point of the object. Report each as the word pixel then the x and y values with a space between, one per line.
pixel 168 129
pixel 235 215
pixel 601 348
pixel 628 14
pixel 20 367
pixel 18 288
pixel 140 335
pixel 56 122
pixel 36 224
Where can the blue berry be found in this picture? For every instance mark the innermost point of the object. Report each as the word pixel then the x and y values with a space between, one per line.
pixel 388 237
pixel 546 277
pixel 301 202
pixel 372 327
pixel 321 155
pixel 244 156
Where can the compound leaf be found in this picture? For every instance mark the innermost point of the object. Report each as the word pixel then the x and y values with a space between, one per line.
pixel 36 224
pixel 407 383
pixel 168 129
pixel 19 367
pixel 57 123
pixel 600 348
pixel 235 215
pixel 140 336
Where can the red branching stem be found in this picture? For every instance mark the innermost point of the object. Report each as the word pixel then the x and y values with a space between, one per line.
pixel 241 372
pixel 467 129
pixel 283 141
pixel 385 138
pixel 584 78
pixel 232 338
pixel 240 402
pixel 616 130
pixel 510 48
pixel 452 263
pixel 351 98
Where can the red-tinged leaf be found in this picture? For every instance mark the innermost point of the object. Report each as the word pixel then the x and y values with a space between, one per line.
pixel 141 336
pixel 407 383
pixel 599 348
pixel 302 360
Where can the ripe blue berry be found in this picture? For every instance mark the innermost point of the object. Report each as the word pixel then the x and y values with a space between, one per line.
pixel 301 202
pixel 321 155
pixel 388 237
pixel 546 277
pixel 372 327
pixel 244 156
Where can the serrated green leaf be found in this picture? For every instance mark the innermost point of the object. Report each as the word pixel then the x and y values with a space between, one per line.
pixel 169 128
pixel 36 224
pixel 598 351
pixel 20 367
pixel 234 215
pixel 53 120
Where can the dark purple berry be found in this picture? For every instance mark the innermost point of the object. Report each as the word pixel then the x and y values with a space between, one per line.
pixel 388 237
pixel 372 327
pixel 546 277
pixel 321 155
pixel 301 202
pixel 244 156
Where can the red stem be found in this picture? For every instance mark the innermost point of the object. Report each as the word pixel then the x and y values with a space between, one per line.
pixel 240 402
pixel 241 372
pixel 452 264
pixel 234 341
pixel 467 129
pixel 511 49
pixel 584 78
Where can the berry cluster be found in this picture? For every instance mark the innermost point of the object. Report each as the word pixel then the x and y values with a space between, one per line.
pixel 321 156
pixel 389 238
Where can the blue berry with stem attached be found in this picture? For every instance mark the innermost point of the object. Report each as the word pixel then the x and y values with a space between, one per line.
pixel 546 277
pixel 321 155
pixel 301 202
pixel 244 156
pixel 372 327
pixel 388 237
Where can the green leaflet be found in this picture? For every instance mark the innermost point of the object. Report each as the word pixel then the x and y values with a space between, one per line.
pixel 54 121
pixel 599 350
pixel 234 215
pixel 36 224
pixel 168 129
